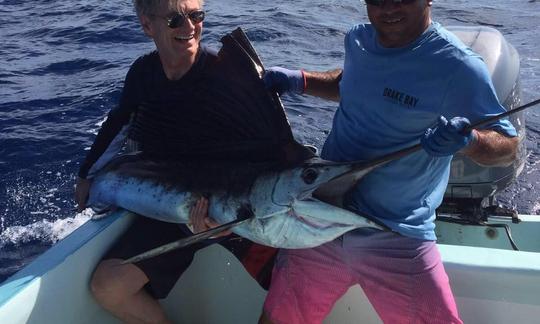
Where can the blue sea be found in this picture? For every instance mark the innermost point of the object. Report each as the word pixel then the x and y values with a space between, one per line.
pixel 62 66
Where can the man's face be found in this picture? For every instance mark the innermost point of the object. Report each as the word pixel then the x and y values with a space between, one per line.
pixel 399 24
pixel 174 44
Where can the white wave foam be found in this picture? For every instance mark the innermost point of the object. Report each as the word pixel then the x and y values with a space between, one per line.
pixel 536 208
pixel 44 231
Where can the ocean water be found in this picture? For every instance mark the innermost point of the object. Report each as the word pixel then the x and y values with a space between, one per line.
pixel 62 65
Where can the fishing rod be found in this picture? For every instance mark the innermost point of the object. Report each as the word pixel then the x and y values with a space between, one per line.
pixel 503 115
pixel 195 238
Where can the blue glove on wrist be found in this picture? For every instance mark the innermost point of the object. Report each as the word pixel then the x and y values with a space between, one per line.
pixel 284 80
pixel 448 137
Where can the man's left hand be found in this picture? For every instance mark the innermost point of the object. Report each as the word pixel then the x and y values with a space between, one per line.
pixel 284 80
pixel 448 137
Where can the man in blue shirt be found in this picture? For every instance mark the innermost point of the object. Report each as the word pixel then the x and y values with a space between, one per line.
pixel 402 75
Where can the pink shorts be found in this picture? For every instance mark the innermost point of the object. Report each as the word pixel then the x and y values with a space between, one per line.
pixel 403 278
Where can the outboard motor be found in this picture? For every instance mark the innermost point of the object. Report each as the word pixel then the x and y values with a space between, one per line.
pixel 472 188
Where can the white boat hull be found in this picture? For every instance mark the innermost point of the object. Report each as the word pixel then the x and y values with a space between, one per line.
pixel 491 285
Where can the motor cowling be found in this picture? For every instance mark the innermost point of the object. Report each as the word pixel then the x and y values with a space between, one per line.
pixel 468 180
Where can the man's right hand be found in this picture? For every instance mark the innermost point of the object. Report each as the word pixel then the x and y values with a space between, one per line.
pixel 82 188
pixel 284 80
pixel 201 221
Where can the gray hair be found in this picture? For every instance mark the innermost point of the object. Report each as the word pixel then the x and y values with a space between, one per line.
pixel 149 7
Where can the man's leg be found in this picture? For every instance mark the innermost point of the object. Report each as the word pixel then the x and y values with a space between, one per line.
pixel 119 289
pixel 131 291
pixel 305 285
pixel 403 278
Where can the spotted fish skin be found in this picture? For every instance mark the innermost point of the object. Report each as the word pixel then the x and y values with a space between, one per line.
pixel 285 213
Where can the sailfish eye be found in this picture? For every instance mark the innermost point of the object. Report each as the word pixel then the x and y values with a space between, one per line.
pixel 309 175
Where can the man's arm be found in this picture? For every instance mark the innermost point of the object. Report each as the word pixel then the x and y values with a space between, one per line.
pixel 491 148
pixel 112 134
pixel 323 84
pixel 95 160
pixel 485 147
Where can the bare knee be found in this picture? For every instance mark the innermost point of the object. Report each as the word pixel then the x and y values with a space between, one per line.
pixel 112 282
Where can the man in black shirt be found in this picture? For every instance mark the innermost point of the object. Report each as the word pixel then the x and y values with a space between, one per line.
pixel 160 104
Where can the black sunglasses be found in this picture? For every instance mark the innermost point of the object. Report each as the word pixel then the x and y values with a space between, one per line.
pixel 379 3
pixel 179 18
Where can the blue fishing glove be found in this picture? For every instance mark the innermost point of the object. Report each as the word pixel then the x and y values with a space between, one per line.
pixel 284 80
pixel 448 137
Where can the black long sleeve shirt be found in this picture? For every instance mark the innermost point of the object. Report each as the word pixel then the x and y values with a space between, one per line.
pixel 148 93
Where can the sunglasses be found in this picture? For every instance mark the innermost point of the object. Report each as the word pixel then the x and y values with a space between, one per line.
pixel 379 3
pixel 179 18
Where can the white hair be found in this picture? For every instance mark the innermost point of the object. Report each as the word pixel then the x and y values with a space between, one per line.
pixel 149 7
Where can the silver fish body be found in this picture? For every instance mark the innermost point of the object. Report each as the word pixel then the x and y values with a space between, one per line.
pixel 284 212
